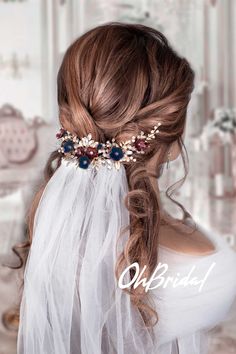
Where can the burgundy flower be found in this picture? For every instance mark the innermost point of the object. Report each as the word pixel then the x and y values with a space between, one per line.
pixel 79 151
pixel 91 152
pixel 61 133
pixel 140 144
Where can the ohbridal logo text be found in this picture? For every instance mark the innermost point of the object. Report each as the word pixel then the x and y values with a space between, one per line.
pixel 160 280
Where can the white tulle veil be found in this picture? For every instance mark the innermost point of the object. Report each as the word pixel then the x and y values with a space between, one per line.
pixel 71 302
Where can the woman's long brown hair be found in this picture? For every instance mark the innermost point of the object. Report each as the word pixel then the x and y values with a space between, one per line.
pixel 114 81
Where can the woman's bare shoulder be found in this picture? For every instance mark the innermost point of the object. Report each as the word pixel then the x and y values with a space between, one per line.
pixel 182 239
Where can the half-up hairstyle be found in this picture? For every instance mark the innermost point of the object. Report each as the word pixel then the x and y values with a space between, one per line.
pixel 114 81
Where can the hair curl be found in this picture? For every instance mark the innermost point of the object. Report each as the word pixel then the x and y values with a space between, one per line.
pixel 115 80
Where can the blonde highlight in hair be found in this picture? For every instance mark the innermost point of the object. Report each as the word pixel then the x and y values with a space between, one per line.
pixel 114 81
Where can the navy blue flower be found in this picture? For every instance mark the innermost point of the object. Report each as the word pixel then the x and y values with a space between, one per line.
pixel 84 162
pixel 116 153
pixel 68 145
pixel 99 146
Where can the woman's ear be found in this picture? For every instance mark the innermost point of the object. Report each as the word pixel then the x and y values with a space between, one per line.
pixel 174 151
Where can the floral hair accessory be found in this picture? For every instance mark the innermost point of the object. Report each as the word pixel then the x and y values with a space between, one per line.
pixel 85 151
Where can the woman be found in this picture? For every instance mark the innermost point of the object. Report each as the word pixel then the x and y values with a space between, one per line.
pixel 97 228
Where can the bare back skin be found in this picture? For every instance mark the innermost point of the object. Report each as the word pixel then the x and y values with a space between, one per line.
pixel 183 240
pixel 179 238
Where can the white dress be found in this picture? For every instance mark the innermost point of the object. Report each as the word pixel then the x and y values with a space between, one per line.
pixel 185 313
